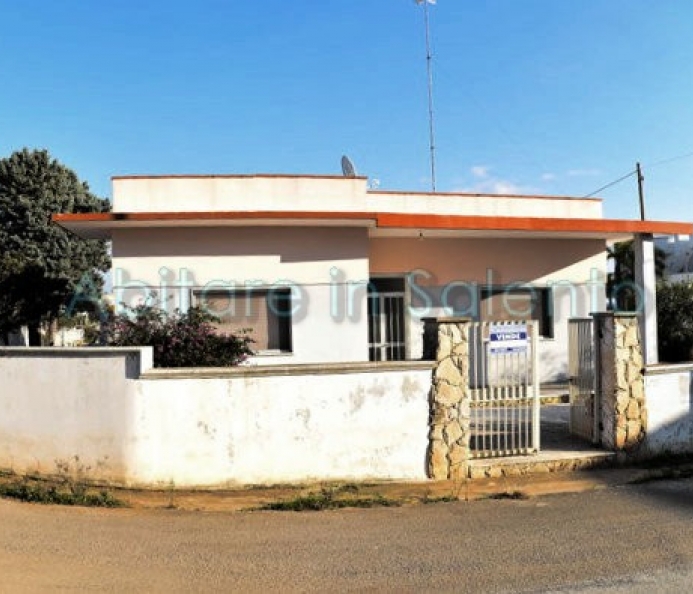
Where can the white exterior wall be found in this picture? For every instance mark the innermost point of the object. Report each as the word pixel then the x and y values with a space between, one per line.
pixel 277 428
pixel 669 395
pixel 241 426
pixel 56 404
pixel 318 262
pixel 478 205
pixel 324 194
pixel 230 193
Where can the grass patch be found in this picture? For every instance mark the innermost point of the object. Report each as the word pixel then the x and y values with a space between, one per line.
pixel 329 498
pixel 441 499
pixel 663 474
pixel 46 492
pixel 508 495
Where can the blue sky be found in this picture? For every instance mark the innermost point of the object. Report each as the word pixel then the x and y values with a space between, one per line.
pixel 532 96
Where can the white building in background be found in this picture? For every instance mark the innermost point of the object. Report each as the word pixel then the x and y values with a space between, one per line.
pixel 322 269
pixel 679 251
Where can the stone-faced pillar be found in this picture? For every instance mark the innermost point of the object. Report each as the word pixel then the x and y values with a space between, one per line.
pixel 621 382
pixel 449 420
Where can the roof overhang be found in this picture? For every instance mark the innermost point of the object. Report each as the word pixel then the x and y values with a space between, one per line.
pixel 101 225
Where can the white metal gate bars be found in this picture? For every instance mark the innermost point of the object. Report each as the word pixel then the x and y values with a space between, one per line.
pixel 504 389
pixel 584 421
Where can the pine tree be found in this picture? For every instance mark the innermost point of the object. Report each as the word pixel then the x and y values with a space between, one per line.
pixel 41 264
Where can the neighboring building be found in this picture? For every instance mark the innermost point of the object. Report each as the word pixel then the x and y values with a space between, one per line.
pixel 679 262
pixel 324 270
pixel 19 338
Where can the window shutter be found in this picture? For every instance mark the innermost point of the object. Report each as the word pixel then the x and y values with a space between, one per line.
pixel 249 312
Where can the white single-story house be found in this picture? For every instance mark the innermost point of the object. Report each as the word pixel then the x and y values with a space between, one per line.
pixel 323 269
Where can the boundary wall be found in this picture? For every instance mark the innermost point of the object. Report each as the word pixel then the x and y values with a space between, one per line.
pixel 105 414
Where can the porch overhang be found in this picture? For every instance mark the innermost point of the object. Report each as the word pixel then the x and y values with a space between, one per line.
pixel 379 224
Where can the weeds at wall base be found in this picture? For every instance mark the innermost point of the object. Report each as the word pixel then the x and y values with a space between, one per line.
pixel 32 490
pixel 663 474
pixel 516 495
pixel 429 499
pixel 329 498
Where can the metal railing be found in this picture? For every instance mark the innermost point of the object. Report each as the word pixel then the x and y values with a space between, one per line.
pixel 504 386
pixel 386 326
pixel 584 421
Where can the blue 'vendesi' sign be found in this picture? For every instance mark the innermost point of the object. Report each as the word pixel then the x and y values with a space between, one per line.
pixel 507 338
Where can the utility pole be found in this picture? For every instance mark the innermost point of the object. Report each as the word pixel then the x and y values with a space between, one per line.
pixel 641 193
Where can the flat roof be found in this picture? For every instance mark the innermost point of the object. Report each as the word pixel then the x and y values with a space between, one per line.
pixel 384 224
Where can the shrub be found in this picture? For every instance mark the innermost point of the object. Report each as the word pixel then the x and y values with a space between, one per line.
pixel 675 321
pixel 179 339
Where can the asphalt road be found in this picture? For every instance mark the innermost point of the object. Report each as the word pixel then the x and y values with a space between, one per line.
pixel 627 539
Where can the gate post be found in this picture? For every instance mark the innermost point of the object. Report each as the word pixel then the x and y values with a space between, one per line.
pixel 621 382
pixel 449 417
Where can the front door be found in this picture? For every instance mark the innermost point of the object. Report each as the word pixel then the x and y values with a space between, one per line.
pixel 386 319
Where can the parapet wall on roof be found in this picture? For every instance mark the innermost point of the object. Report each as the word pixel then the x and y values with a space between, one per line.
pixel 325 194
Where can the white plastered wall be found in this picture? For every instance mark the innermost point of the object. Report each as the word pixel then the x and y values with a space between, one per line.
pixel 283 428
pixel 322 193
pixel 327 269
pixel 669 400
pixel 91 411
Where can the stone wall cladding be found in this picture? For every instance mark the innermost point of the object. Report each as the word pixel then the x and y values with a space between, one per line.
pixel 623 409
pixel 508 468
pixel 449 421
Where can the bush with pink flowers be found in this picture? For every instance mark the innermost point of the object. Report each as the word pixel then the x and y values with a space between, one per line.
pixel 179 339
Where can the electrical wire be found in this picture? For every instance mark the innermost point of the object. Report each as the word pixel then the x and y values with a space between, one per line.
pixel 634 172
pixel 613 183
pixel 670 160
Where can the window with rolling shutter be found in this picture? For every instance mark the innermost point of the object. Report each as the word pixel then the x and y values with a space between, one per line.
pixel 508 303
pixel 263 315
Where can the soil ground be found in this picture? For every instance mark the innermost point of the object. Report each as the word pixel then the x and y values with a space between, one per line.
pixel 249 498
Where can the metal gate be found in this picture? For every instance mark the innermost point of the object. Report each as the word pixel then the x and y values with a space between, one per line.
pixel 584 420
pixel 504 386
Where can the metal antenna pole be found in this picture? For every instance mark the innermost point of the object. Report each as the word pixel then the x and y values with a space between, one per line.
pixel 429 68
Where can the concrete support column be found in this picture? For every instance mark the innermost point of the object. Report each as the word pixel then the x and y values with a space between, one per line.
pixel 646 281
pixel 623 414
pixel 449 420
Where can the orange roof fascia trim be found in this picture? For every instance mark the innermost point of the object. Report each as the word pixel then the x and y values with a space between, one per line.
pixel 490 223
pixel 403 221
pixel 106 217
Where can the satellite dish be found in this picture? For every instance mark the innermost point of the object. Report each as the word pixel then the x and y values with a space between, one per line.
pixel 348 168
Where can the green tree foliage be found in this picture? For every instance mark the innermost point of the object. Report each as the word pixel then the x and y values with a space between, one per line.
pixel 179 339
pixel 41 264
pixel 675 321
pixel 620 284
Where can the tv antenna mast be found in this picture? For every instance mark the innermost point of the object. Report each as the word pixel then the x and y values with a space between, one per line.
pixel 429 70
